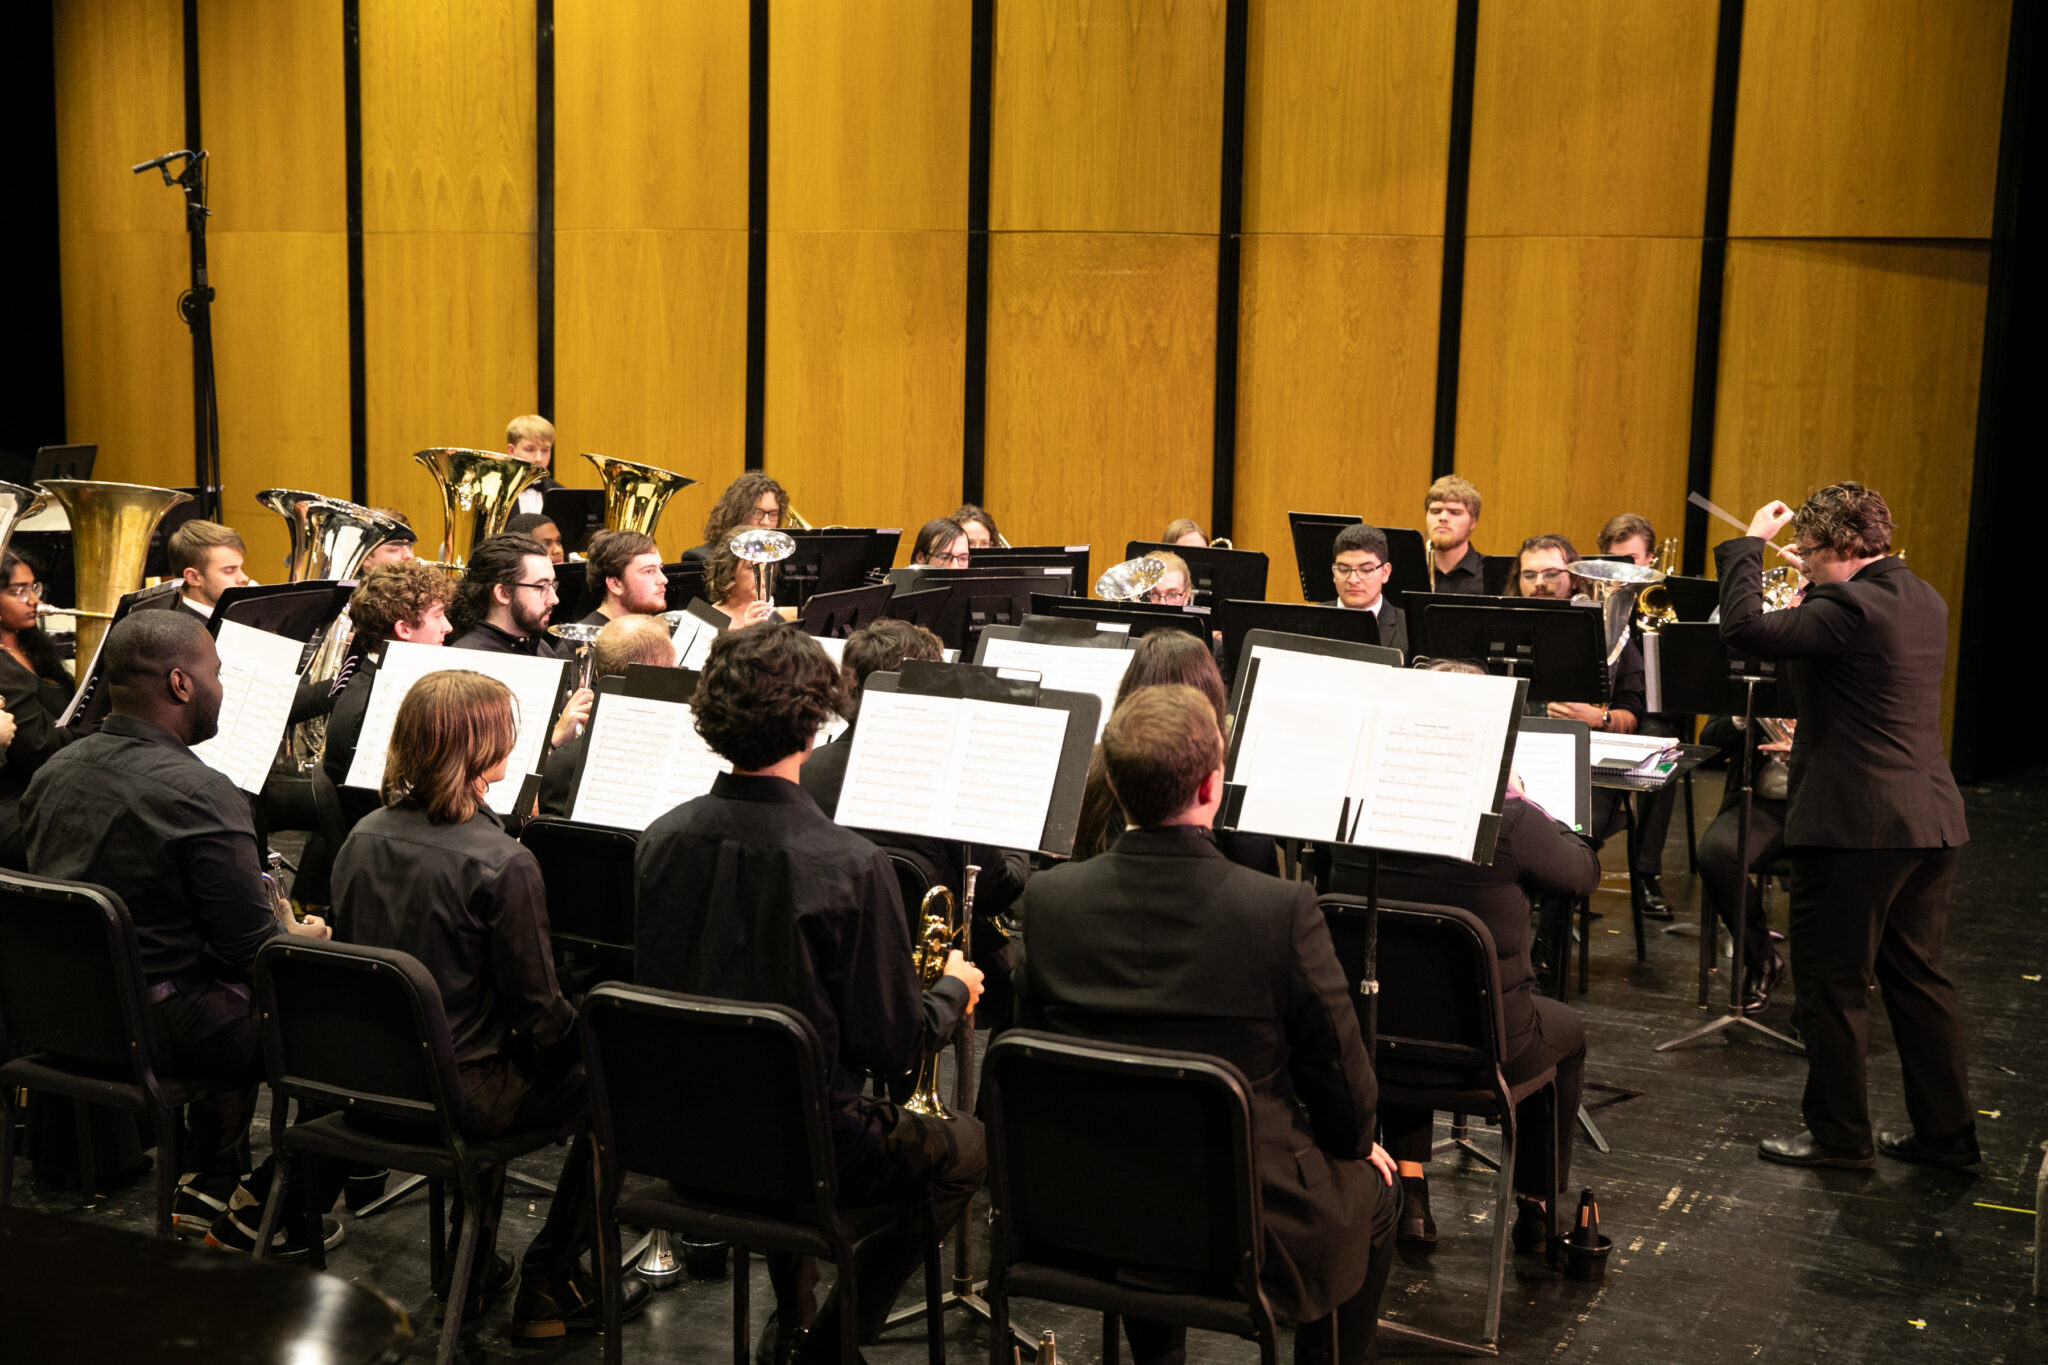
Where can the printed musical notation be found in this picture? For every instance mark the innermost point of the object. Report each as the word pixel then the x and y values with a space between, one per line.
pixel 645 758
pixel 976 771
pixel 1065 668
pixel 259 674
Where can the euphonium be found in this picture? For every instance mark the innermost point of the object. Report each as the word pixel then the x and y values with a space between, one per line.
pixel 1615 586
pixel 479 489
pixel 293 505
pixel 111 524
pixel 634 494
pixel 938 935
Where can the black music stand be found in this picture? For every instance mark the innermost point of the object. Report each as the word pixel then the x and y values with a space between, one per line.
pixel 296 611
pixel 1409 554
pixel 1314 534
pixel 1698 673
pixel 578 513
pixel 1073 558
pixel 64 462
pixel 1306 644
pixel 1239 619
pixel 836 615
pixel 1218 573
pixel 1560 647
pixel 1496 570
pixel 1142 617
pixel 576 595
pixel 823 562
pixel 685 585
pixel 1694 599
pixel 918 608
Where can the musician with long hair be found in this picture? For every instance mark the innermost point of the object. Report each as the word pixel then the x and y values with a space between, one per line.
pixel 730 585
pixel 34 690
pixel 942 543
pixel 505 597
pixel 979 525
pixel 752 499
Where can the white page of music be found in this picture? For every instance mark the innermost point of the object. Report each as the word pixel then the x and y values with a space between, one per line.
pixel 645 759
pixel 976 771
pixel 259 675
pixel 834 647
pixel 534 684
pixel 1549 766
pixel 1298 757
pixel 1065 668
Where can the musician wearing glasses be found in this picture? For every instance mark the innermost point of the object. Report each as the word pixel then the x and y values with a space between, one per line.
pixel 1361 569
pixel 1873 824
pixel 35 689
pixel 1175 587
pixel 731 585
pixel 751 500
pixel 1546 573
pixel 627 566
pixel 942 543
pixel 1450 509
pixel 505 597
pixel 752 893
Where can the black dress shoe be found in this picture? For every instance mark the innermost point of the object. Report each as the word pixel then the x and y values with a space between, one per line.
pixel 1654 904
pixel 1953 1154
pixel 1801 1149
pixel 1416 1227
pixel 1532 1224
pixel 705 1260
pixel 1756 991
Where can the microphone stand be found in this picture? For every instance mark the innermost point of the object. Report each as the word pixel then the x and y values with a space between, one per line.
pixel 195 306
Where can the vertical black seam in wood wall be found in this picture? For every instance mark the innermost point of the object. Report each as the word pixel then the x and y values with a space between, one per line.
pixel 1457 185
pixel 757 228
pixel 352 162
pixel 1706 340
pixel 1994 457
pixel 1229 272
pixel 980 94
pixel 203 477
pixel 544 204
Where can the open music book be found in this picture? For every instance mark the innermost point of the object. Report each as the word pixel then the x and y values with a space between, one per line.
pixel 1340 750
pixel 952 768
pixel 645 758
pixel 1062 668
pixel 535 684
pixel 259 675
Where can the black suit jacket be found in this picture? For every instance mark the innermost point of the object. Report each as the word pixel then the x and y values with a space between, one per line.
pixel 1164 942
pixel 1865 660
pixel 1393 627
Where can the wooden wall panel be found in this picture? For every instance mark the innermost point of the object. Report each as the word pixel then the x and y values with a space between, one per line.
pixel 1101 375
pixel 1575 383
pixel 122 251
pixel 1347 115
pixel 1591 117
pixel 650 113
pixel 448 116
pixel 1857 360
pixel 867 339
pixel 1108 116
pixel 271 106
pixel 1869 118
pixel 1336 385
pixel 450 320
pixel 650 348
pixel 867 116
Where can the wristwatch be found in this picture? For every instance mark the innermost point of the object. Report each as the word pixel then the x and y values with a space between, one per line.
pixel 1603 717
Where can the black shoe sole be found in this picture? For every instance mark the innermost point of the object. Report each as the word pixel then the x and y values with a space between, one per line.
pixel 1845 1162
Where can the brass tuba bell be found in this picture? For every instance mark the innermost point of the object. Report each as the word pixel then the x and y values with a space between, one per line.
pixel 111 525
pixel 330 538
pixel 635 494
pixel 479 489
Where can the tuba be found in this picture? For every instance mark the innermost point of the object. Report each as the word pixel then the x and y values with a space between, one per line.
pixel 1130 580
pixel 16 502
pixel 635 494
pixel 1615 586
pixel 330 538
pixel 938 935
pixel 293 505
pixel 111 526
pixel 479 489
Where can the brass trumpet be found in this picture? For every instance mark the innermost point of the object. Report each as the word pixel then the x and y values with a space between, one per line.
pixel 938 936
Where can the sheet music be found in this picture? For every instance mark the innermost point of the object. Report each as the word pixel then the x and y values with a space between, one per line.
pixel 834 647
pixel 977 771
pixel 259 675
pixel 645 759
pixel 700 624
pixel 1549 765
pixel 1064 668
pixel 534 683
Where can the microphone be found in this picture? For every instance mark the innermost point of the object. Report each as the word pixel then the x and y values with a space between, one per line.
pixel 155 162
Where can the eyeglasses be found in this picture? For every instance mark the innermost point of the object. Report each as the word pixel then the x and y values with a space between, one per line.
pixel 1355 570
pixel 21 592
pixel 956 561
pixel 1168 597
pixel 547 589
pixel 1544 575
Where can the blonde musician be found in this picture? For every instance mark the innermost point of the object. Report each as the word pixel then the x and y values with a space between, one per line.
pixel 1450 509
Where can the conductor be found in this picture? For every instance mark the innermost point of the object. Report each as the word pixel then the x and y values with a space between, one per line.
pixel 1873 823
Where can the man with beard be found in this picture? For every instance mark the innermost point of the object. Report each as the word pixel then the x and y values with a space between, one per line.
pixel 625 566
pixel 504 599
pixel 1450 509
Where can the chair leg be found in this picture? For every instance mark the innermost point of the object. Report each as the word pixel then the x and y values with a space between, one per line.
pixel 437 1232
pixel 7 1113
pixel 88 1168
pixel 166 1169
pixel 1112 1329
pixel 458 1290
pixel 742 1310
pixel 1000 1352
pixel 1692 839
pixel 1504 1205
pixel 273 1202
pixel 934 1281
pixel 848 1293
pixel 316 1219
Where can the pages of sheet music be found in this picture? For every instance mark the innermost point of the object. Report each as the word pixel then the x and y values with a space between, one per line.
pixel 976 771
pixel 259 675
pixel 645 759
pixel 534 684
pixel 1365 754
pixel 1549 765
pixel 1064 668
pixel 834 647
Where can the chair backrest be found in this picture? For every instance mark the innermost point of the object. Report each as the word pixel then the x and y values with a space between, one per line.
pixel 726 1098
pixel 355 1028
pixel 588 871
pixel 1105 1158
pixel 914 878
pixel 1439 983
pixel 71 978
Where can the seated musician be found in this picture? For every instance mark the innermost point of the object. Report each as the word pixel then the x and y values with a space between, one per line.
pixel 626 565
pixel 979 525
pixel 753 499
pixel 1176 586
pixel 542 528
pixel 1361 568
pixel 34 690
pixel 407 602
pixel 395 550
pixel 208 557
pixel 752 893
pixel 731 585
pixel 942 543
pixel 1721 879
pixel 1162 659
pixel 504 598
pixel 1185 531
pixel 1631 535
pixel 1450 509
pixel 626 641
pixel 532 438
pixel 434 874
pixel 1163 942
pixel 131 809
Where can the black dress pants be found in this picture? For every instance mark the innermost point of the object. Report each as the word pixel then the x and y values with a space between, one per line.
pixel 1859 913
pixel 1722 881
pixel 500 1098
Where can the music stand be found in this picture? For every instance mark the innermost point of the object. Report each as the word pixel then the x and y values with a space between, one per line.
pixel 836 615
pixel 573 587
pixel 578 513
pixel 1409 555
pixel 64 462
pixel 1315 535
pixel 1218 573
pixel 1073 558
pixel 1694 599
pixel 296 611
pixel 1496 570
pixel 918 608
pixel 1561 650
pixel 1239 619
pixel 91 702
pixel 685 585
pixel 1256 640
pixel 974 602
pixel 823 562
pixel 1141 617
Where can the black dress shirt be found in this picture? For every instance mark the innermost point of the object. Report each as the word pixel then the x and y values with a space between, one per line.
pixel 132 809
pixel 35 703
pixel 487 637
pixel 344 731
pixel 1466 577
pixel 467 900
pixel 750 893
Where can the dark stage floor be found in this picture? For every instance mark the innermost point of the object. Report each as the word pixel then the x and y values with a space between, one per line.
pixel 1718 1256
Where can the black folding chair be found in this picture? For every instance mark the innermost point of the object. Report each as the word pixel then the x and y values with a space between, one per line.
pixel 1441 1042
pixel 588 872
pixel 1112 1167
pixel 74 1003
pixel 361 1031
pixel 753 1166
